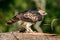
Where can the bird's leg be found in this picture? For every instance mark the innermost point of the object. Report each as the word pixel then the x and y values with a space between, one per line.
pixel 28 27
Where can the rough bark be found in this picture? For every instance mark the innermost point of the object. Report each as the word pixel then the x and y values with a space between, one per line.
pixel 28 36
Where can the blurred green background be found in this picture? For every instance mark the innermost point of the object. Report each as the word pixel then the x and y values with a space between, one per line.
pixel 50 24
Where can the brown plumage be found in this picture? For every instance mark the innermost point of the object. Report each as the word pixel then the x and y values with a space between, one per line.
pixel 27 16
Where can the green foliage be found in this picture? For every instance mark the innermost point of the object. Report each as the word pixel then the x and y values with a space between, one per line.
pixel 53 9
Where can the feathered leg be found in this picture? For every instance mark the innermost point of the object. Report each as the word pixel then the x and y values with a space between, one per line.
pixel 28 25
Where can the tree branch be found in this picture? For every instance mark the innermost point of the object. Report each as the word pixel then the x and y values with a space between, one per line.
pixel 28 36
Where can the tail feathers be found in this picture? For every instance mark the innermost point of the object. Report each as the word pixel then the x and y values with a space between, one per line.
pixel 13 20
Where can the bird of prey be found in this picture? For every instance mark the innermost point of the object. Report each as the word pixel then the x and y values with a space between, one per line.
pixel 27 18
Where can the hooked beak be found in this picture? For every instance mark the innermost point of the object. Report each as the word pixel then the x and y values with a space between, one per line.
pixel 46 13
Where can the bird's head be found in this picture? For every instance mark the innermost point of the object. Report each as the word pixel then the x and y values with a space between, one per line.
pixel 42 12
